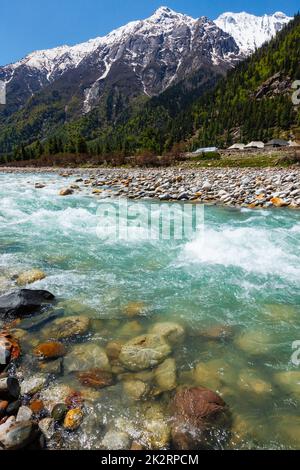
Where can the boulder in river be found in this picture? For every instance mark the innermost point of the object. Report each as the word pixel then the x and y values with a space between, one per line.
pixel 33 384
pixel 135 389
pixel 201 419
pixel 66 192
pixel 29 277
pixel 50 350
pixel 67 327
pixel 24 302
pixel 95 378
pixel 15 435
pixel 165 375
pixel 84 357
pixel 171 331
pixel 144 351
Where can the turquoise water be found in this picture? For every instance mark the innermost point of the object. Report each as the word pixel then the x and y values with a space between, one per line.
pixel 242 272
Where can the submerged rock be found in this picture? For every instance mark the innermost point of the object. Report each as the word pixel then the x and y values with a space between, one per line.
pixel 33 384
pixel 172 332
pixel 218 332
pixel 254 342
pixel 289 381
pixel 156 431
pixel 249 381
pixel 210 374
pixel 134 309
pixel 55 394
pixel 85 357
pixel 165 375
pixel 13 435
pixel 68 327
pixel 24 302
pixel 47 427
pixel 144 352
pixel 50 350
pixel 135 389
pixel 113 349
pixel 95 378
pixel 200 419
pixel 29 277
pixel 116 440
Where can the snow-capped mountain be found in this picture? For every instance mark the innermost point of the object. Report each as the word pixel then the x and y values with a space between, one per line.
pixel 141 58
pixel 150 54
pixel 249 31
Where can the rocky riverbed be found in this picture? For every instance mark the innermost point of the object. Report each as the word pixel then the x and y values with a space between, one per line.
pixel 253 188
pixel 50 387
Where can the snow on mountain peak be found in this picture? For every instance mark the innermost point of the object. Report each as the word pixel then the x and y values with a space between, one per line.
pixel 250 31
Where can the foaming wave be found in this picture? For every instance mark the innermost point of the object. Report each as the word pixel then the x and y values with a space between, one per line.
pixel 251 249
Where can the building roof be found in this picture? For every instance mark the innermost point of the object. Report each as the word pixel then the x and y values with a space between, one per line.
pixel 206 150
pixel 237 147
pixel 255 144
pixel 278 143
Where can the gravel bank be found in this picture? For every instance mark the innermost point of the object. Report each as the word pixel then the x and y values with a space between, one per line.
pixel 252 188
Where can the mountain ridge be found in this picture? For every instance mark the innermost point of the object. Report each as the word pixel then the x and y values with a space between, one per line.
pixel 141 59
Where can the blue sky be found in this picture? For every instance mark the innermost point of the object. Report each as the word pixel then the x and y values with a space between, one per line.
pixel 40 24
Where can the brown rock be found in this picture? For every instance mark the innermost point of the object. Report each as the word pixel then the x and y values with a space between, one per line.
pixel 133 309
pixel 218 332
pixel 200 419
pixel 36 406
pixel 66 192
pixel 95 378
pixel 51 350
pixel 278 202
pixel 113 349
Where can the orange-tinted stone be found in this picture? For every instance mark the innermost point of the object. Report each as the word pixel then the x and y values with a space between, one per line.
pixel 36 406
pixel 73 419
pixel 51 350
pixel 95 378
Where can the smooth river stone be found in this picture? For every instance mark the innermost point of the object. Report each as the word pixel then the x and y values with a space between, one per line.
pixel 249 381
pixel 172 332
pixel 155 430
pixel 23 302
pixel 67 327
pixel 144 351
pixel 135 389
pixel 201 419
pixel 255 342
pixel 289 381
pixel 29 277
pixel 84 357
pixel 33 385
pixel 165 375
pixel 50 350
pixel 15 435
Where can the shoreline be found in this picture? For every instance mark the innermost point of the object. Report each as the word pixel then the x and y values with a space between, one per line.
pixel 234 187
